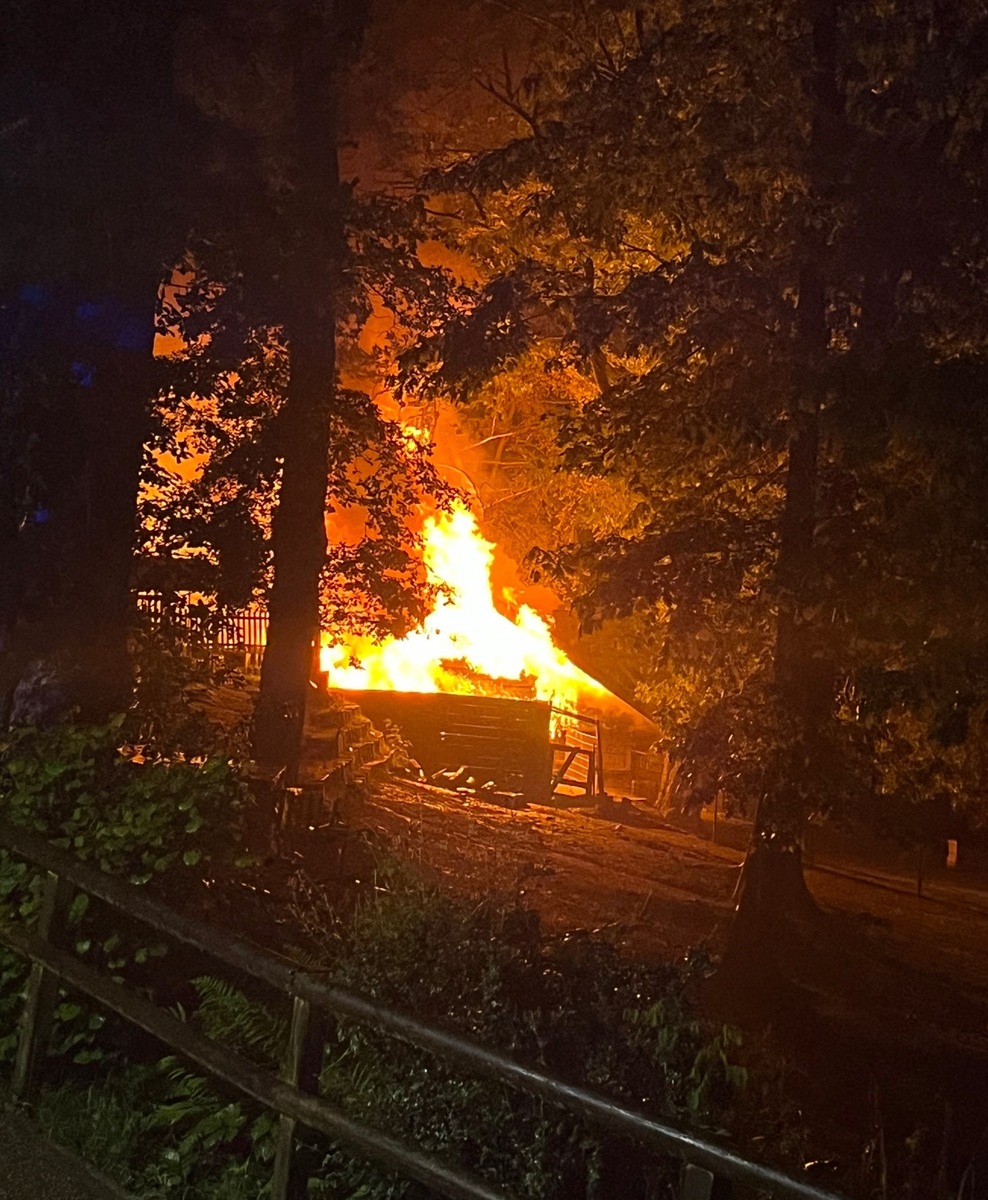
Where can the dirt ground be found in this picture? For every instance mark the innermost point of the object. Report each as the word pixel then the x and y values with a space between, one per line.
pixel 887 1022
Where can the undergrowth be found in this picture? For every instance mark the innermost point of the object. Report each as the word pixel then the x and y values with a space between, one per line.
pixel 126 798
pixel 142 817
pixel 162 1133
pixel 571 1006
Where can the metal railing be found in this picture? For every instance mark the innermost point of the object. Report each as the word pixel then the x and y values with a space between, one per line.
pixel 708 1168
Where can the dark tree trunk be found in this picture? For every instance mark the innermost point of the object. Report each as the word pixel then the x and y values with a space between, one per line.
pixel 772 884
pixel 772 887
pixel 11 592
pixel 99 613
pixel 299 537
pixel 298 529
pixel 800 679
pixel 96 210
pixel 66 607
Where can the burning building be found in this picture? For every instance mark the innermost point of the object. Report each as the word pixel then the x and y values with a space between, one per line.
pixel 480 690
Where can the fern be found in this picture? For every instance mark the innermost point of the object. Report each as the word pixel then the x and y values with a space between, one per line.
pixel 250 1026
pixel 189 1095
pixel 204 1131
pixel 307 960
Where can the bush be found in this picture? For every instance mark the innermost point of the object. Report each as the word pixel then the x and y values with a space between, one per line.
pixel 79 787
pixel 571 1005
pixel 162 1133
pixel 179 677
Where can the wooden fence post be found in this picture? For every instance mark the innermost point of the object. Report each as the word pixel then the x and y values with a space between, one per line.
pixel 701 1184
pixel 300 1068
pixel 42 990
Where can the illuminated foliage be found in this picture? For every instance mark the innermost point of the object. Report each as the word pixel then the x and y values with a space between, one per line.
pixel 757 231
pixel 212 484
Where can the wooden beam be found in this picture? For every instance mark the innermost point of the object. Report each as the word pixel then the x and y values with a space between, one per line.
pixel 41 994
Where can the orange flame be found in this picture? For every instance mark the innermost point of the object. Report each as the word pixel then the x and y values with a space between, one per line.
pixel 465 644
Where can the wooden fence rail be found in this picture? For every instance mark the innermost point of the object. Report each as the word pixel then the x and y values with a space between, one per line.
pixel 708 1169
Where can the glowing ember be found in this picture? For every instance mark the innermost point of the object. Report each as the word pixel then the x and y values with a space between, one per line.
pixel 465 644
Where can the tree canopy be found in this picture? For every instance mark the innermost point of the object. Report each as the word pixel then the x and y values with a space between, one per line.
pixel 757 230
pixel 212 482
pixel 93 212
pixel 731 265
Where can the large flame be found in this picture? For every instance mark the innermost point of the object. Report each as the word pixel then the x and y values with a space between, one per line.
pixel 465 644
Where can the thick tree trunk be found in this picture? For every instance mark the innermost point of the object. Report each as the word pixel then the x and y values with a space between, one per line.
pixel 772 886
pixel 772 892
pixel 298 530
pixel 67 612
pixel 11 592
pixel 772 881
pixel 96 220
pixel 299 537
pixel 99 619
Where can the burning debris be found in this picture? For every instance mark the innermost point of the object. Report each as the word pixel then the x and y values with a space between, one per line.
pixel 474 745
pixel 487 704
pixel 466 644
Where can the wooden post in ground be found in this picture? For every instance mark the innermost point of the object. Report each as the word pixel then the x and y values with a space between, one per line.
pixel 701 1184
pixel 600 762
pixel 300 1067
pixel 41 994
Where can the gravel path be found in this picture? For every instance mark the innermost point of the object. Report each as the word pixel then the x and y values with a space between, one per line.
pixel 32 1168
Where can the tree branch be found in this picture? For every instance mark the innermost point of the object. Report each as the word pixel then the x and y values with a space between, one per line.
pixel 509 102
pixel 537 19
pixel 494 437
